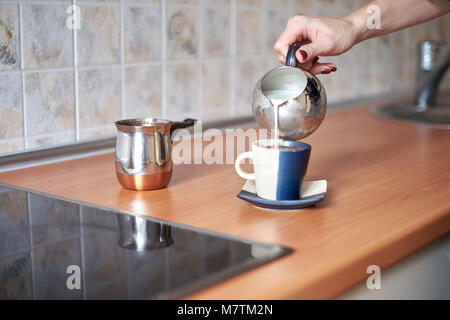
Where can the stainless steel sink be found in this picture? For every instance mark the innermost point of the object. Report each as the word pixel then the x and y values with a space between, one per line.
pixel 438 116
pixel 428 107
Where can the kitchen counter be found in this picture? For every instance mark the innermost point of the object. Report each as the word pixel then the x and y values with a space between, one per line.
pixel 388 196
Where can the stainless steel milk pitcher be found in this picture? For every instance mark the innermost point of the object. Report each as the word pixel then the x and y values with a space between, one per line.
pixel 143 152
pixel 301 113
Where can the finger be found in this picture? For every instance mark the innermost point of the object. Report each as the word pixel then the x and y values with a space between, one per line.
pixel 305 66
pixel 288 37
pixel 309 51
pixel 308 65
pixel 323 68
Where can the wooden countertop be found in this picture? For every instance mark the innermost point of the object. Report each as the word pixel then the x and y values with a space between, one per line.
pixel 388 196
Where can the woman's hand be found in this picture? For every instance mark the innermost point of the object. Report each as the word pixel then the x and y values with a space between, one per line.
pixel 330 37
pixel 320 37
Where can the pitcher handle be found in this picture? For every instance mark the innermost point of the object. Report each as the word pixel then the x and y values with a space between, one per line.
pixel 182 124
pixel 291 59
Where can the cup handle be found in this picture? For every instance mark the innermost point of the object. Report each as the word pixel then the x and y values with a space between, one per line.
pixel 237 165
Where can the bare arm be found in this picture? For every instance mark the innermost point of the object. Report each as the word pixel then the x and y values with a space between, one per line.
pixel 330 37
pixel 396 15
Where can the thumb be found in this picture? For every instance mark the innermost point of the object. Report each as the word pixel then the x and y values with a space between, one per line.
pixel 308 52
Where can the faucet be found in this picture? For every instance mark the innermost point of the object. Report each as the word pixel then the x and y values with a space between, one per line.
pixel 427 88
pixel 434 60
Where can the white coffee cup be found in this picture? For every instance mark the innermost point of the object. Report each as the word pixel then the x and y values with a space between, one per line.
pixel 278 172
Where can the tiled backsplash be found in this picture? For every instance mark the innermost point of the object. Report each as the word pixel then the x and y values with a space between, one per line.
pixel 170 59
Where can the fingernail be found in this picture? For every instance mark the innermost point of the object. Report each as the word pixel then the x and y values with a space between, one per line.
pixel 304 54
pixel 333 69
pixel 315 59
pixel 325 71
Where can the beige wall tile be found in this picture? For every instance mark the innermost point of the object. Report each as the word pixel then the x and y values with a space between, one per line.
pixel 192 2
pixel 217 32
pixel 254 3
pixel 11 146
pixel 97 133
pixel 363 70
pixel 384 71
pixel 248 24
pixel 403 61
pixel 270 61
pixel 216 90
pixel 274 22
pixel 182 100
pixel 110 1
pixel 182 33
pixel 274 3
pixel 248 72
pixel 9 37
pixel 217 2
pixel 304 7
pixel 99 37
pixel 49 102
pixel 143 92
pixel 47 41
pixel 51 140
pixel 325 8
pixel 11 115
pixel 99 97
pixel 142 34
pixel 142 2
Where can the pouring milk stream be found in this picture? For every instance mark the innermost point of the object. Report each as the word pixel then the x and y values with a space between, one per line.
pixel 278 97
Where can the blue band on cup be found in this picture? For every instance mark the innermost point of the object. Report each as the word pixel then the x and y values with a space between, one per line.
pixel 292 170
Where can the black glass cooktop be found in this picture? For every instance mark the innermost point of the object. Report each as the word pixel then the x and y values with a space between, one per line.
pixel 52 248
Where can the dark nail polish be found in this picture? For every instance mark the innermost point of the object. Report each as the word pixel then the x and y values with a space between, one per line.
pixel 304 54
pixel 333 69
pixel 325 71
